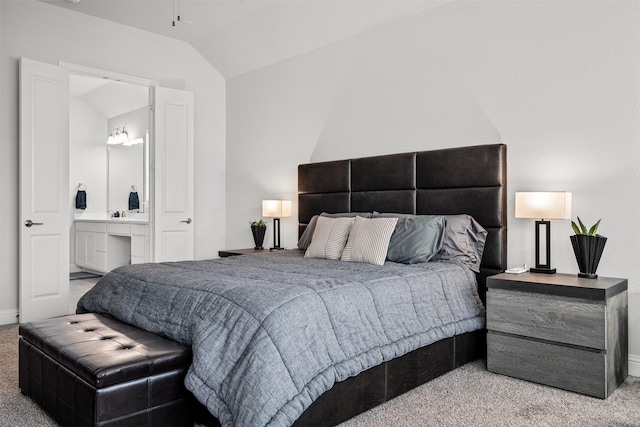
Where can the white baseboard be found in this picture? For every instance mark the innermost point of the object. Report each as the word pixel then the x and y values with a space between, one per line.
pixel 8 317
pixel 634 365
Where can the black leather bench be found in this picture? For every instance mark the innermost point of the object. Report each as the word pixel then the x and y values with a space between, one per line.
pixel 92 370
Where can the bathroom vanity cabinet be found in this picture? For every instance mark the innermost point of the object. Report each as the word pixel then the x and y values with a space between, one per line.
pixel 102 246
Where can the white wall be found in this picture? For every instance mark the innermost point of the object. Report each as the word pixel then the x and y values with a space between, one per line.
pixel 558 82
pixel 51 34
pixel 88 159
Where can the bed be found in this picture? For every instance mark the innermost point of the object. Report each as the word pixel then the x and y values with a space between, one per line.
pixel 419 183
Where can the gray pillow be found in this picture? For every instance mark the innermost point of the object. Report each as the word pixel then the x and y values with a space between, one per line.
pixel 307 234
pixel 416 239
pixel 463 240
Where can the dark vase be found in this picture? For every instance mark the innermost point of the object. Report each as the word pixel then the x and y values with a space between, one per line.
pixel 588 250
pixel 258 235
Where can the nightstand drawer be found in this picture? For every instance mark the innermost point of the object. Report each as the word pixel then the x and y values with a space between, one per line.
pixel 568 368
pixel 566 320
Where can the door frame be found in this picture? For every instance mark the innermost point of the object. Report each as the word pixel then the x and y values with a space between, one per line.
pixel 82 70
pixel 109 75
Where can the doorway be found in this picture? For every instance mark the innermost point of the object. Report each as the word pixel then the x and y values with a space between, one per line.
pixel 107 171
pixel 44 185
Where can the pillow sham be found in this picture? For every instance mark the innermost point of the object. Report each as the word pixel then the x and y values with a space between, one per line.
pixel 416 239
pixel 307 234
pixel 464 239
pixel 369 240
pixel 329 237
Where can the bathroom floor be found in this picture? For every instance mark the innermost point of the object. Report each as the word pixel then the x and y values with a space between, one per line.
pixel 77 288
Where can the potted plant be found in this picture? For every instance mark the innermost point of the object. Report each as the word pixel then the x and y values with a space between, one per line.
pixel 588 247
pixel 258 229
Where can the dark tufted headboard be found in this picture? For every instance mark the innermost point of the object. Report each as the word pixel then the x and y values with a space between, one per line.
pixel 471 180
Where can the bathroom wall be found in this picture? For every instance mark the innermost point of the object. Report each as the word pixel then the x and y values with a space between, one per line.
pixel 88 161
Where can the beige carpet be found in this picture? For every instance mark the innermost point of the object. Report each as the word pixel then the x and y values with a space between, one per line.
pixel 469 396
pixel 15 409
pixel 472 396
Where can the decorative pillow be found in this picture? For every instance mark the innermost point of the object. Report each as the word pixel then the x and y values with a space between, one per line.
pixel 369 240
pixel 416 239
pixel 329 237
pixel 307 234
pixel 464 241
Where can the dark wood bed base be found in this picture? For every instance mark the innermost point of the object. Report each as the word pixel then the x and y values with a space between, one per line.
pixel 469 180
pixel 381 383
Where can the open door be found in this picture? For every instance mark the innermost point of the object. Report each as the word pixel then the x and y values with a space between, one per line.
pixel 172 175
pixel 44 191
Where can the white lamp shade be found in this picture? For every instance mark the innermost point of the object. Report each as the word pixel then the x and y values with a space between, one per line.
pixel 276 208
pixel 543 205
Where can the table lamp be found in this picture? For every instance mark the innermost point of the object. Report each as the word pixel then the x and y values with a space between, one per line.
pixel 543 206
pixel 276 209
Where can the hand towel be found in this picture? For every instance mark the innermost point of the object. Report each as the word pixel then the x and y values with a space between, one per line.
pixel 81 199
pixel 134 202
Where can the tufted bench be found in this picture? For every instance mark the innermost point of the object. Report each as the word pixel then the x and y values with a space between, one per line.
pixel 92 370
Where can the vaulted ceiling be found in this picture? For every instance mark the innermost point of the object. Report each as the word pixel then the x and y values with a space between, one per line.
pixel 238 36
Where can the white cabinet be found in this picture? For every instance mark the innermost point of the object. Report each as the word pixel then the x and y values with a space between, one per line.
pixel 139 243
pixel 91 246
pixel 104 245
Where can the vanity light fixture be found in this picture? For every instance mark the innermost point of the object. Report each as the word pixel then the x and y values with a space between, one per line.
pixel 543 206
pixel 121 136
pixel 276 209
pixel 118 136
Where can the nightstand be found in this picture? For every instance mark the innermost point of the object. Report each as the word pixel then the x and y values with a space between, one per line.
pixel 234 252
pixel 559 330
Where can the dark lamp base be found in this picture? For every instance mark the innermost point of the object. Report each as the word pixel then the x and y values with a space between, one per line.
pixel 543 270
pixel 588 275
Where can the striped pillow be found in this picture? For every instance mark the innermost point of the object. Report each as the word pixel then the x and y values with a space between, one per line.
pixel 369 240
pixel 329 237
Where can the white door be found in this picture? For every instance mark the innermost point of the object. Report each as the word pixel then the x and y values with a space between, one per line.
pixel 172 172
pixel 44 191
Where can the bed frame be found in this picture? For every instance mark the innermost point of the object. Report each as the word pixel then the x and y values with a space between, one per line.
pixel 469 180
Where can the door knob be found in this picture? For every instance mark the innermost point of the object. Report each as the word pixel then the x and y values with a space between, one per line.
pixel 188 221
pixel 29 223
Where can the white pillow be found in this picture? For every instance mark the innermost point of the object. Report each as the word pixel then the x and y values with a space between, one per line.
pixel 369 240
pixel 329 237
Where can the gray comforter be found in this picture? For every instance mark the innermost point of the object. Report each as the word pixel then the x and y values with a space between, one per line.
pixel 271 333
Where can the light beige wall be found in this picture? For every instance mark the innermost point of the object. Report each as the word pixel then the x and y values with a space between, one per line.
pixel 557 81
pixel 51 34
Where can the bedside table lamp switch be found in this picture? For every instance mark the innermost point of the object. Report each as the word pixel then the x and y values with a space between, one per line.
pixel 543 206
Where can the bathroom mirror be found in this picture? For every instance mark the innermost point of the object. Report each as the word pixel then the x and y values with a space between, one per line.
pixel 126 171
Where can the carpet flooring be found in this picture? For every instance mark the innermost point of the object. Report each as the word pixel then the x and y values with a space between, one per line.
pixel 469 396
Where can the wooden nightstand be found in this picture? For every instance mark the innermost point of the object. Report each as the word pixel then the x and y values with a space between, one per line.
pixel 234 252
pixel 559 330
